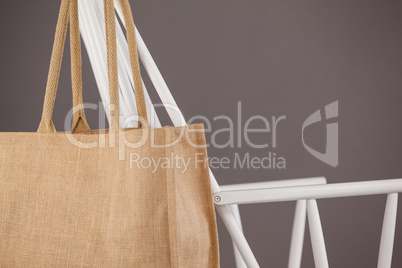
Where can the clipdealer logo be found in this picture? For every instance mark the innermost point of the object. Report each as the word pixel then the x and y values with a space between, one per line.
pixel 256 132
pixel 330 156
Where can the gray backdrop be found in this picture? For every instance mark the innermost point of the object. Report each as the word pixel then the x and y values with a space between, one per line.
pixel 277 57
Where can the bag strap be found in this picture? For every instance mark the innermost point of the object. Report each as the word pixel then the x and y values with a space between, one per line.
pixel 134 59
pixel 110 29
pixel 79 121
pixel 70 8
pixel 112 62
pixel 46 124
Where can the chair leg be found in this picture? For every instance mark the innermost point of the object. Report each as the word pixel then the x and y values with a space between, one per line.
pixel 237 236
pixel 317 236
pixel 388 232
pixel 236 213
pixel 296 243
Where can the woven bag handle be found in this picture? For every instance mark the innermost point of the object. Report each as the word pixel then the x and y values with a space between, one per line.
pixel 112 62
pixel 79 121
pixel 70 7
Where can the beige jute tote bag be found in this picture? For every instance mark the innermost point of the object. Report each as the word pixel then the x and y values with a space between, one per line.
pixel 90 198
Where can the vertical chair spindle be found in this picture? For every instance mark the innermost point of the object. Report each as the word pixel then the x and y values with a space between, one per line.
pixel 388 232
pixel 317 236
pixel 299 226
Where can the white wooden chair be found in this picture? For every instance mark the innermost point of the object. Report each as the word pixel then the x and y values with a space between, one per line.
pixel 227 198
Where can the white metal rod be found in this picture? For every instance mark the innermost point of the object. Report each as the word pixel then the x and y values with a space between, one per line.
pixel 239 260
pixel 237 236
pixel 159 83
pixel 317 236
pixel 274 184
pixel 388 232
pixel 308 192
pixel 297 240
pixel 164 93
